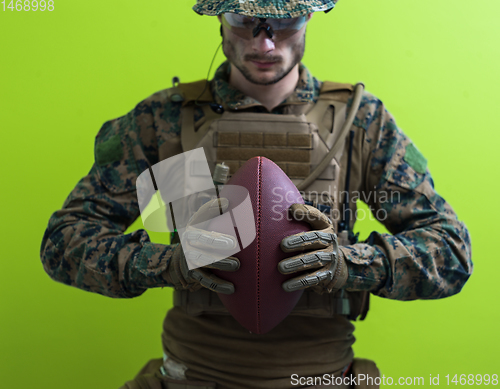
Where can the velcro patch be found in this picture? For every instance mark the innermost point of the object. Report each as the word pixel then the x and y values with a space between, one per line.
pixel 415 159
pixel 109 151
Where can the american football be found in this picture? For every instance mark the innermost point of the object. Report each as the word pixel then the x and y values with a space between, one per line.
pixel 259 303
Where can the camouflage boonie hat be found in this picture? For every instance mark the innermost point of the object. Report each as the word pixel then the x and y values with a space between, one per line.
pixel 278 9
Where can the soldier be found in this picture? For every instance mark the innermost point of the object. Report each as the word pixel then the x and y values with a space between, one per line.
pixel 351 148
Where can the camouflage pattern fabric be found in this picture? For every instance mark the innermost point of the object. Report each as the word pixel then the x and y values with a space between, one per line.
pixel 427 256
pixel 278 9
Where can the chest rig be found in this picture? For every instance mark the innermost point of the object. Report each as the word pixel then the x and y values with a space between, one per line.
pixel 297 143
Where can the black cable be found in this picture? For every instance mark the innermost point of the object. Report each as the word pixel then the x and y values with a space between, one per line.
pixel 217 108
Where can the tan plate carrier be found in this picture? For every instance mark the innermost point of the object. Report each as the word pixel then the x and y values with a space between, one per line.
pixel 296 143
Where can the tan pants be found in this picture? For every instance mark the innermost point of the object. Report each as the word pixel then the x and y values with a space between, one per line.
pixel 150 377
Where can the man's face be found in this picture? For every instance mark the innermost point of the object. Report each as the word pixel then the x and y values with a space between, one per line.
pixel 261 60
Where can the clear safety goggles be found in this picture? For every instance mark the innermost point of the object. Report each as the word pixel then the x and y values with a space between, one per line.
pixel 248 27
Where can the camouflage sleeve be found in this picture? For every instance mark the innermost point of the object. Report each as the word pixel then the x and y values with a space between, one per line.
pixel 84 245
pixel 428 253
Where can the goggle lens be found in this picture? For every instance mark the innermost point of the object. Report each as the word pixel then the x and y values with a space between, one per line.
pixel 245 26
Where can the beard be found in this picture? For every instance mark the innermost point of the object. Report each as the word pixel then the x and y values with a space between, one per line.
pixel 231 53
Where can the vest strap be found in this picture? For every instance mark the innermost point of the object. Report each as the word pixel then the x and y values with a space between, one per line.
pixel 191 92
pixel 190 135
pixel 329 86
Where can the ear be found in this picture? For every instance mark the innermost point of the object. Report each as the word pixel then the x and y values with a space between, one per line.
pixel 309 16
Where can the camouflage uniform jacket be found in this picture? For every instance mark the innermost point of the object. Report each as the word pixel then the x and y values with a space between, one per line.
pixel 427 256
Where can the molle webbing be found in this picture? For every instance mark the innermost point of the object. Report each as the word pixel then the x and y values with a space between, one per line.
pixel 289 144
pixel 268 140
pixel 310 304
pixel 290 141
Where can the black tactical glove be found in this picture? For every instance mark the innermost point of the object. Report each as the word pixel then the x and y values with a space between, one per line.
pixel 198 248
pixel 328 259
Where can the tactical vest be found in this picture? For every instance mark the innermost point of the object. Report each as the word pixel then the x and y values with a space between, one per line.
pixel 297 144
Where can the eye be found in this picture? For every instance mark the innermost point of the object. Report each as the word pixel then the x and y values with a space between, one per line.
pixel 242 19
pixel 288 22
pixel 295 23
pixel 247 21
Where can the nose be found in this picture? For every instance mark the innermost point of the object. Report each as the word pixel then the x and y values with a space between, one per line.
pixel 262 43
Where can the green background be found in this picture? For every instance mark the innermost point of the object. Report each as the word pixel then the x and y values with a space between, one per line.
pixel 64 73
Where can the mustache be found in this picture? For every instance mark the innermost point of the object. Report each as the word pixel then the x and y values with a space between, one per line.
pixel 258 58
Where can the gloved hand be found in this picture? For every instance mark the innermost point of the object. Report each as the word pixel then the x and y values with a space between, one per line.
pixel 332 269
pixel 198 247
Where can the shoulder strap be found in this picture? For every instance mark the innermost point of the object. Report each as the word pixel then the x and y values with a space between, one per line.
pixel 329 112
pixel 192 91
pixel 336 144
pixel 329 86
pixel 189 135
pixel 195 91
